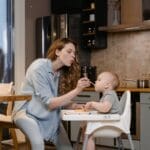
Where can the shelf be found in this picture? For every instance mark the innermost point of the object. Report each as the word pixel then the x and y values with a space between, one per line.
pixel 87 22
pixel 88 10
pixel 124 28
pixel 92 16
pixel 88 34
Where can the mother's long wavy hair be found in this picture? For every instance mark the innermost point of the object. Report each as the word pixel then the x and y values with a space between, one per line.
pixel 69 75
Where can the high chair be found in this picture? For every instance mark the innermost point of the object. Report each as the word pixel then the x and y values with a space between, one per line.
pixel 6 90
pixel 110 128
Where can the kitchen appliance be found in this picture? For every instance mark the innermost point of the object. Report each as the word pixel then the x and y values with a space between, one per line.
pixel 43 35
pixel 49 28
pixel 143 83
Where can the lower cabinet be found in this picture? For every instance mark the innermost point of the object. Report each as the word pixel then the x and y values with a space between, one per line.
pixel 145 121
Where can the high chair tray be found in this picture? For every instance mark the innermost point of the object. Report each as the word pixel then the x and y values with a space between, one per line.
pixel 80 115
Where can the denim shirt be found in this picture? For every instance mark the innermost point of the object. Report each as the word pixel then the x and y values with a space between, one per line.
pixel 43 84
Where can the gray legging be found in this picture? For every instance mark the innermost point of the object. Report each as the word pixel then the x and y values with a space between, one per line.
pixel 29 127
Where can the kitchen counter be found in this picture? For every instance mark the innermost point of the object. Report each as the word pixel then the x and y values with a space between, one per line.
pixel 121 89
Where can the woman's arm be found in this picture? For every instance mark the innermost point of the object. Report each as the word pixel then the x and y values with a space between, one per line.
pixel 67 98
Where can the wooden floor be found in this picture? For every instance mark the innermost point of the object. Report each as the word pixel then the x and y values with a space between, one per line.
pixel 48 146
pixel 23 147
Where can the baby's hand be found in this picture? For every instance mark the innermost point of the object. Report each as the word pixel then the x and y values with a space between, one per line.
pixel 88 105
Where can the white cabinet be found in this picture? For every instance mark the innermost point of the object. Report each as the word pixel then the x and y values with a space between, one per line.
pixel 145 121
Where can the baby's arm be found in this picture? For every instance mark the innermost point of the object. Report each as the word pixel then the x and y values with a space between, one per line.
pixel 103 107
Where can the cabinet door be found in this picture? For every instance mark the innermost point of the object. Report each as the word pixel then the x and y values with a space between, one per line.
pixel 131 11
pixel 145 127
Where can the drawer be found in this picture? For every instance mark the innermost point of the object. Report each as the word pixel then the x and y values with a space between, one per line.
pixel 145 98
pixel 84 97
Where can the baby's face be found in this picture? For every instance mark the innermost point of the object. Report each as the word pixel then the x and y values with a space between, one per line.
pixel 102 82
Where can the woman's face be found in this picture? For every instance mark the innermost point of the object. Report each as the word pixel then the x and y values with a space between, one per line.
pixel 67 54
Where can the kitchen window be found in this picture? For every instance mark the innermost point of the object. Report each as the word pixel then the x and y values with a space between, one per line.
pixel 6 41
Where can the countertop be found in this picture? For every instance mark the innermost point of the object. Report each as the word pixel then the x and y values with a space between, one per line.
pixel 122 89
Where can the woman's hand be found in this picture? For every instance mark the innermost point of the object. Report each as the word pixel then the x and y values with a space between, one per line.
pixel 83 83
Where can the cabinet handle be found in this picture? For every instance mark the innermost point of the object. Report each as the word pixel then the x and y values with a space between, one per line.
pixel 84 96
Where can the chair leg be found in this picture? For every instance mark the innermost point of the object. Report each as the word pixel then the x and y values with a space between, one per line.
pixel 131 143
pixel 14 138
pixel 28 144
pixel 85 142
pixel 120 144
pixel 1 138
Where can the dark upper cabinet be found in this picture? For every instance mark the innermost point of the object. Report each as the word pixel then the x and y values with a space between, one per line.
pixel 146 9
pixel 66 6
pixel 93 15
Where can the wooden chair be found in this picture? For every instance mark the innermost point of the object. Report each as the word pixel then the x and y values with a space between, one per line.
pixel 7 95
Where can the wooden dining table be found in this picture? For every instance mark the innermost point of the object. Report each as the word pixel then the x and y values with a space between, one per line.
pixel 15 97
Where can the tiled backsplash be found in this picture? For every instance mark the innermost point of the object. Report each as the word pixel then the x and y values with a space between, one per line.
pixel 127 54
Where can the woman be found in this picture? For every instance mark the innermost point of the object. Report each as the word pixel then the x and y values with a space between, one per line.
pixel 40 118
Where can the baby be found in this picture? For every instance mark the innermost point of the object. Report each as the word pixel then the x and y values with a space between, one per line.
pixel 106 83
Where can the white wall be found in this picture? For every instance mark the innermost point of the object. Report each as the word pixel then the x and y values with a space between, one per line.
pixel 19 41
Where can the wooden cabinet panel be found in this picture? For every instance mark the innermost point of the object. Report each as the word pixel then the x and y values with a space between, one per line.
pixel 131 11
pixel 135 15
